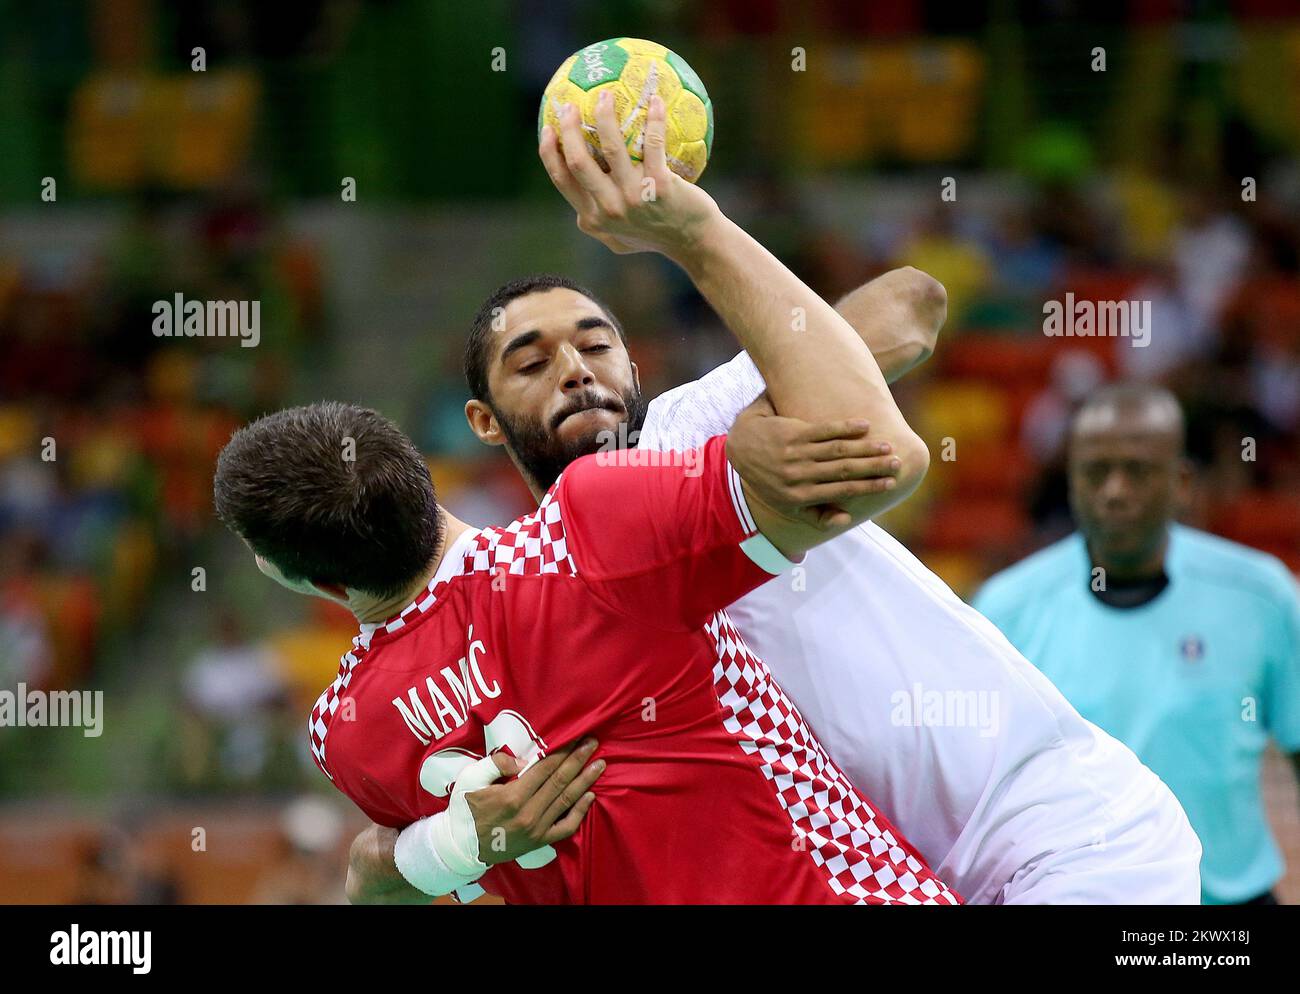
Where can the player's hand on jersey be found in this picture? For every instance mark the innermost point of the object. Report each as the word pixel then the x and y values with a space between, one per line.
pixel 634 207
pixel 544 805
pixel 803 471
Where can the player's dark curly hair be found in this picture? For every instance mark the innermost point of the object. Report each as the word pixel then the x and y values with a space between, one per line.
pixel 478 347
pixel 331 493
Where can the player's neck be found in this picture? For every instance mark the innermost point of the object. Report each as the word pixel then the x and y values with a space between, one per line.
pixel 373 610
pixel 536 489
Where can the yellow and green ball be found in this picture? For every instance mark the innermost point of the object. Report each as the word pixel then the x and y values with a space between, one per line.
pixel 633 70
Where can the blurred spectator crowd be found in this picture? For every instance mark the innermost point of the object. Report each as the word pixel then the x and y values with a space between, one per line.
pixel 108 433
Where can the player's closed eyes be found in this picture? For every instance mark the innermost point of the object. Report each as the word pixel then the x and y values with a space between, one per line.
pixel 533 367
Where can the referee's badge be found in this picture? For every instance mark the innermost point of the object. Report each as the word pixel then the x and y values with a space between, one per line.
pixel 1192 648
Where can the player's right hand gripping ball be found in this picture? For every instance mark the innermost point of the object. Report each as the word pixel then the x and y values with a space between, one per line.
pixel 633 70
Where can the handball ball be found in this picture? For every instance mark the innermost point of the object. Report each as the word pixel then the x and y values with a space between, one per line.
pixel 633 70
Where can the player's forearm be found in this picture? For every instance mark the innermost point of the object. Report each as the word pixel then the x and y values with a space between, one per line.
pixel 898 315
pixel 373 877
pixel 815 363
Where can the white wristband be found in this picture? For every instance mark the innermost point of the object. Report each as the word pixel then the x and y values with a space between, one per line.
pixel 439 854
pixel 416 855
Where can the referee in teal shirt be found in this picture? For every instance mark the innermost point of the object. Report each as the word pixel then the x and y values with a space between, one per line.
pixel 1184 646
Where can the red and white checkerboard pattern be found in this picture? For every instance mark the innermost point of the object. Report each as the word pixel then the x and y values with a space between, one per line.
pixel 863 860
pixel 529 545
pixel 328 702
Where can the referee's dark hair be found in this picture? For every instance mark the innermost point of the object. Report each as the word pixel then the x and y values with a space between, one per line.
pixel 331 493
pixel 479 343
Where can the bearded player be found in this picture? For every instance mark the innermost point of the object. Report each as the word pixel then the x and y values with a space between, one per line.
pixel 1031 805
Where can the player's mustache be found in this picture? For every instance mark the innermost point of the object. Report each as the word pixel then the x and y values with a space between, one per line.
pixel 587 402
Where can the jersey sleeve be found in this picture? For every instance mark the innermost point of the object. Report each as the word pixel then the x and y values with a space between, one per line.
pixel 689 415
pixel 1283 711
pixel 366 792
pixel 666 541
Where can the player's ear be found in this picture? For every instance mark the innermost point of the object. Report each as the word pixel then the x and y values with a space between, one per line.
pixel 483 423
pixel 636 375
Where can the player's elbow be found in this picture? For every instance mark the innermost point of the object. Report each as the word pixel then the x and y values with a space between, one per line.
pixel 914 462
pixel 922 305
pixel 925 296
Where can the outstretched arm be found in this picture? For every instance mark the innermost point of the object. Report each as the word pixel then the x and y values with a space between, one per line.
pixel 788 461
pixel 820 372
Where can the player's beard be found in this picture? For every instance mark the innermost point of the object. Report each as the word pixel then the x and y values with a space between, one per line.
pixel 542 455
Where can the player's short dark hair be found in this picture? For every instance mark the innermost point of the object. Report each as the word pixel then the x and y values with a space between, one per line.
pixel 479 343
pixel 331 493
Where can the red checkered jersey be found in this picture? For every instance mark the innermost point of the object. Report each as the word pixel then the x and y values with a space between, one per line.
pixel 601 614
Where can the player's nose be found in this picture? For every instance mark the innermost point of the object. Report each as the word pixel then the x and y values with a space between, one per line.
pixel 574 373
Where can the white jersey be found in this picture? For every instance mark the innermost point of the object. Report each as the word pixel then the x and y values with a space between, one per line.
pixel 1006 790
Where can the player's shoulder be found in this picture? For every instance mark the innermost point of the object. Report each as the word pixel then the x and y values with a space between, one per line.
pixel 572 479
pixel 1040 575
pixel 662 413
pixel 589 507
pixel 737 373
pixel 321 718
pixel 583 485
pixel 534 543
pixel 605 474
pixel 1218 561
pixel 690 413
